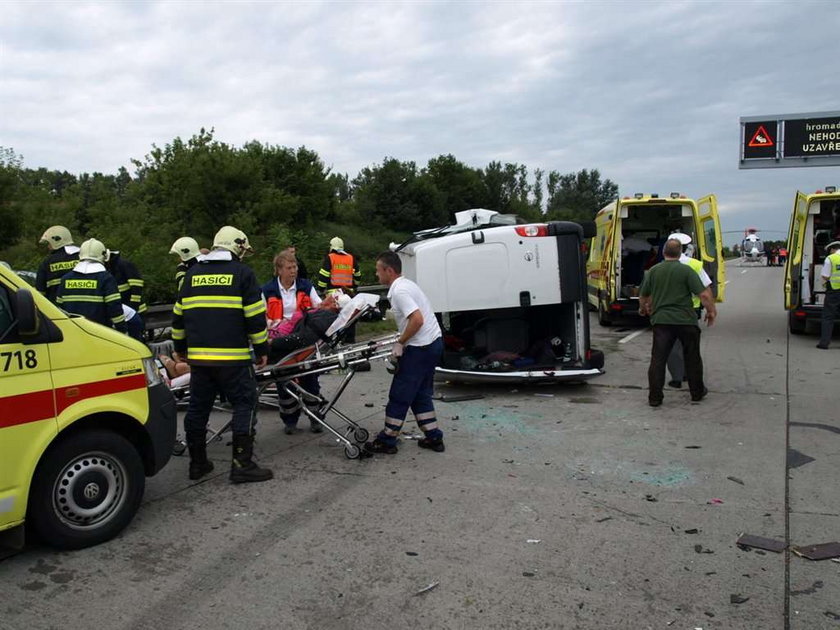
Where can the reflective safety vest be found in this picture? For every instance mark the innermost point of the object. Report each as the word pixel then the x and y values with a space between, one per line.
pixel 274 303
pixel 93 296
pixel 698 267
pixel 834 278
pixel 341 269
pixel 219 314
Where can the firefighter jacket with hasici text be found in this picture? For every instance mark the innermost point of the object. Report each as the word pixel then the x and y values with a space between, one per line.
pixel 90 291
pixel 53 267
pixel 219 313
pixel 129 282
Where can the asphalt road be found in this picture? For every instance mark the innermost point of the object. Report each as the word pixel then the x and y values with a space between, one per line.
pixel 553 507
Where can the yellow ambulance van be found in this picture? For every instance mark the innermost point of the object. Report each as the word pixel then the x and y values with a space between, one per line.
pixel 814 223
pixel 84 418
pixel 629 239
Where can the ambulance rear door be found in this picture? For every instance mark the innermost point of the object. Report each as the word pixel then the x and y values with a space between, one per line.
pixel 795 241
pixel 611 268
pixel 711 246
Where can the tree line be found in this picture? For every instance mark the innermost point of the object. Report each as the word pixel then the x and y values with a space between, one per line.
pixel 277 195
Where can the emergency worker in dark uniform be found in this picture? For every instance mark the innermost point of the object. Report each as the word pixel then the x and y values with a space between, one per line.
pixel 90 291
pixel 218 316
pixel 62 258
pixel 129 282
pixel 186 248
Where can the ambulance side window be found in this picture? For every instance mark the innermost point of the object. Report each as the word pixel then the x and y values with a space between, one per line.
pixel 7 318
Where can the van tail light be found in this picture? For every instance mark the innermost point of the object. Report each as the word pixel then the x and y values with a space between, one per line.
pixel 799 314
pixel 616 307
pixel 536 229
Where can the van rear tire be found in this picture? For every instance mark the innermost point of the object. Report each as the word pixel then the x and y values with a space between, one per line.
pixel 603 316
pixel 86 489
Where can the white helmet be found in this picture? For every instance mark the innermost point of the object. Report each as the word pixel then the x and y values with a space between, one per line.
pixel 57 236
pixel 94 250
pixel 233 240
pixel 684 239
pixel 186 248
pixel 336 243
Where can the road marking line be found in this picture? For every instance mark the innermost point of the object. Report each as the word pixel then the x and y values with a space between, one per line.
pixel 632 336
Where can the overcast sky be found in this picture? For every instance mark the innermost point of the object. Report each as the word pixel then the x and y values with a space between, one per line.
pixel 648 93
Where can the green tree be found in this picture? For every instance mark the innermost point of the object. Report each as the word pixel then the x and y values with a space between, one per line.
pixel 578 196
pixel 461 187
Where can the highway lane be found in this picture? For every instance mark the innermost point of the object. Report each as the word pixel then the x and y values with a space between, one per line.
pixel 554 507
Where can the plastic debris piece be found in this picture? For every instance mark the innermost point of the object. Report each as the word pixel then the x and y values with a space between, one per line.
pixel 651 498
pixel 533 541
pixel 735 598
pixel 528 574
pixel 460 398
pixel 427 588
pixel 411 553
pixel 699 549
pixel 368 404
pixel 602 520
pixel 544 395
pixel 736 480
pixel 714 501
pixel 822 551
pixel 692 531
pixel 759 542
pixel 693 446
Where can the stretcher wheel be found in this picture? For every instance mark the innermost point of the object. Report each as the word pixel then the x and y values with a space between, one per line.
pixel 361 435
pixel 352 451
pixel 179 447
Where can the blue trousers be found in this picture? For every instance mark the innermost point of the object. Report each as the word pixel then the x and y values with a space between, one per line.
pixel 235 382
pixel 289 407
pixel 412 388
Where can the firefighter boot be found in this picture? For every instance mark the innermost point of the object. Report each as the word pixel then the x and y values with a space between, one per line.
pixel 199 464
pixel 242 467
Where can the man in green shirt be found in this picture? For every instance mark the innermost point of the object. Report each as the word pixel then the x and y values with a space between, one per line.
pixel 665 295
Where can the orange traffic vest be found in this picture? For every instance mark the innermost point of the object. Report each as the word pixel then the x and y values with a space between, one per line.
pixel 341 269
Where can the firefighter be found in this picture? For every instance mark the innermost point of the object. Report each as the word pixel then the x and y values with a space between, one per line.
pixel 339 269
pixel 62 258
pixel 218 316
pixel 187 250
pixel 129 281
pixel 89 290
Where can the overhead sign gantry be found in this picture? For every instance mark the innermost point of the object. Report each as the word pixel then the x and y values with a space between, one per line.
pixel 786 140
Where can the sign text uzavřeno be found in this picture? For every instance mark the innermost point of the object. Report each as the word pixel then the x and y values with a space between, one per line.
pixel 807 137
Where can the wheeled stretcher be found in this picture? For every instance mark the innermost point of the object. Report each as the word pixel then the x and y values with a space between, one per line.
pixel 280 379
pixel 318 359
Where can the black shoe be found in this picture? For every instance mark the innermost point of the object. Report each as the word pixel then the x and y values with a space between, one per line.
pixel 655 403
pixel 315 426
pixel 199 469
pixel 675 384
pixel 822 347
pixel 433 444
pixel 290 429
pixel 243 468
pixel 199 464
pixel 376 446
pixel 700 397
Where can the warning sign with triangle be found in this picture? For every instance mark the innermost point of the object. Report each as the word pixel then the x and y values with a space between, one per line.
pixel 761 138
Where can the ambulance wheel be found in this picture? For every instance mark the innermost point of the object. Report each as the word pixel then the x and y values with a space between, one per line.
pixel 603 316
pixel 86 489
pixel 361 435
pixel 352 451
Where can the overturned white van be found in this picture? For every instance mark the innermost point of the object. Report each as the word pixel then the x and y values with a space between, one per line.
pixel 511 298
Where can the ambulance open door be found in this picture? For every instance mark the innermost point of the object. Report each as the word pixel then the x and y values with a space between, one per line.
pixel 711 246
pixel 795 241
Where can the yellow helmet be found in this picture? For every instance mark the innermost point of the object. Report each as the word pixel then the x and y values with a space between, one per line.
pixel 57 236
pixel 186 247
pixel 233 240
pixel 94 250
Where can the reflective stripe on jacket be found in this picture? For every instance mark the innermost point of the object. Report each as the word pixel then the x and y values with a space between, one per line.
pixel 834 278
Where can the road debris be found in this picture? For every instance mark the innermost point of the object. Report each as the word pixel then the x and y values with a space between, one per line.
pixel 714 501
pixel 748 541
pixel 427 588
pixel 458 397
pixel 699 549
pixel 736 480
pixel 736 598
pixel 822 551
pixel 533 541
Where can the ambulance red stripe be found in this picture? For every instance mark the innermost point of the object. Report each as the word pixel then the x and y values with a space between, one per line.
pixel 34 406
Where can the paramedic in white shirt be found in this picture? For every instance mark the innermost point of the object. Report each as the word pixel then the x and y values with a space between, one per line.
pixel 417 352
pixel 676 364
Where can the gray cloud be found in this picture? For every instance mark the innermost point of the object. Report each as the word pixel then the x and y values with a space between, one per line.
pixel 649 93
